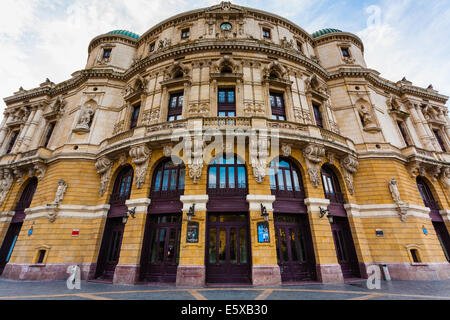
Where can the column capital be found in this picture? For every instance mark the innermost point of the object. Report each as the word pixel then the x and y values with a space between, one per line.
pixel 255 201
pixel 200 201
pixel 140 204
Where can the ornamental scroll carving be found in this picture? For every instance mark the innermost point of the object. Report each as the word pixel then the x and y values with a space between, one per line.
pixel 350 166
pixel 6 182
pixel 140 156
pixel 38 169
pixel 402 207
pixel 313 154
pixel 445 177
pixel 103 166
pixel 195 163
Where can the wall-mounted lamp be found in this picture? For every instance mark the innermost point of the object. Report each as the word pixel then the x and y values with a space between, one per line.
pixel 264 213
pixel 130 212
pixel 327 212
pixel 191 212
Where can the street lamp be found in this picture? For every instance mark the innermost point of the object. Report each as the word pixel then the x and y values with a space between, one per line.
pixel 191 212
pixel 327 212
pixel 264 213
pixel 130 212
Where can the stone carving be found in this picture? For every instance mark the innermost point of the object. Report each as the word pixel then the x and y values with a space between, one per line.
pixel 274 69
pixel 434 172
pixel 177 69
pixel 251 108
pixel 19 174
pixel 313 84
pixel 103 166
pixel 367 117
pixel 287 44
pixel 225 62
pixel 59 105
pixel 313 154
pixel 139 85
pixel 402 207
pixel 350 166
pixel 416 169
pixel 198 108
pixel 140 156
pixel 393 187
pixel 286 150
pixel 330 157
pixel 167 151
pixel 122 160
pixel 393 103
pixel 445 177
pixel 118 127
pixel 60 191
pixel 6 182
pixel 225 5
pixel 164 43
pixel 259 152
pixel 39 169
pixel 195 163
pixel 84 121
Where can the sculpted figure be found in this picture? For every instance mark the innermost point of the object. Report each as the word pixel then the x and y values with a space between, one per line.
pixel 85 117
pixel 394 191
pixel 60 191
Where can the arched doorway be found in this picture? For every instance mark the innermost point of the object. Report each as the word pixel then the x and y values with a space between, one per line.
pixel 16 223
pixel 436 218
pixel 228 256
pixel 114 227
pixel 340 227
pixel 295 252
pixel 161 248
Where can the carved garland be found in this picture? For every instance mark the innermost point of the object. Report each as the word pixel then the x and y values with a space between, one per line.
pixel 140 156
pixel 313 154
pixel 350 166
pixel 103 166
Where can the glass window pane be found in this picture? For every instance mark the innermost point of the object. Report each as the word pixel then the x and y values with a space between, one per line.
pixel 288 180
pixel 325 185
pixel 279 101
pixel 178 246
pixel 153 246
pixel 272 101
pixel 280 179
pixel 212 177
pixel 212 245
pixel 221 114
pixel 230 96
pixel 222 177
pixel 231 182
pixel 165 180
pixel 171 246
pixel 281 118
pixel 221 96
pixel 222 245
pixel 158 181
pixel 296 183
pixel 231 114
pixel 242 183
pixel 181 182
pixel 233 246
pixel 292 238
pixel 162 240
pixel 330 185
pixel 284 164
pixel 243 245
pixel 283 244
pixel 273 184
pixel 180 101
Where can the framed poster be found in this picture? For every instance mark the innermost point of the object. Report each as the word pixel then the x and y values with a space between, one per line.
pixel 192 232
pixel 263 232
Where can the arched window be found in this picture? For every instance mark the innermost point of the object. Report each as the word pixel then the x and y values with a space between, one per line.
pixel 122 186
pixel 331 186
pixel 168 180
pixel 227 175
pixel 27 195
pixel 426 194
pixel 285 179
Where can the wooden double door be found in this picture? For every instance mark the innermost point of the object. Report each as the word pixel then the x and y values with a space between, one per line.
pixel 161 250
pixel 345 248
pixel 8 244
pixel 110 249
pixel 228 257
pixel 295 253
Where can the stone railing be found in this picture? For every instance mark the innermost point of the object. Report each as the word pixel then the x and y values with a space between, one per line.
pixel 331 136
pixel 227 122
pixel 120 136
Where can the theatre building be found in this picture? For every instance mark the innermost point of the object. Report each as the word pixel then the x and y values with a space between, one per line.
pixel 326 168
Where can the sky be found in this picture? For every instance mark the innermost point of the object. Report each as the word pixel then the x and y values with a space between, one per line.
pixel 42 39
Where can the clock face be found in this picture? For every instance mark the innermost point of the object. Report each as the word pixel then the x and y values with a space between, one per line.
pixel 225 26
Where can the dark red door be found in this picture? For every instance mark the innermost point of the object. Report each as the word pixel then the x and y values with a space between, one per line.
pixel 444 237
pixel 161 251
pixel 16 223
pixel 110 250
pixel 228 249
pixel 345 248
pixel 295 254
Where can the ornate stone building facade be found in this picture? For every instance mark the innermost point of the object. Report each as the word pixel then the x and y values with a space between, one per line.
pixel 340 169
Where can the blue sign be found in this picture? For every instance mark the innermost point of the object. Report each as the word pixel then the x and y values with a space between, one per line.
pixel 30 232
pixel 263 232
pixel 425 231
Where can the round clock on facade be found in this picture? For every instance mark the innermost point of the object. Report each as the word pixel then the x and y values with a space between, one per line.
pixel 225 26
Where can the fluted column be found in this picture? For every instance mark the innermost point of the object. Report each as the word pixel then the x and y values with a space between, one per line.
pixel 420 128
pixel 430 137
pixel 23 131
pixel 4 128
pixel 31 130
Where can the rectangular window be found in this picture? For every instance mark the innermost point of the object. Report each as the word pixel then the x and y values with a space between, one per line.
pixel 41 256
pixel 266 33
pixel 440 141
pixel 185 33
pixel 107 53
pixel 401 126
pixel 152 47
pixel 277 105
pixel 226 103
pixel 317 115
pixel 135 115
pixel 175 106
pixel 49 133
pixel 299 46
pixel 345 52
pixel 12 141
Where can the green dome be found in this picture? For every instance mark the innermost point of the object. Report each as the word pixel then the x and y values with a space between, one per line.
pixel 324 31
pixel 125 33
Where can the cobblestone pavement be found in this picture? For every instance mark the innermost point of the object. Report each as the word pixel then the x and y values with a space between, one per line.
pixel 393 290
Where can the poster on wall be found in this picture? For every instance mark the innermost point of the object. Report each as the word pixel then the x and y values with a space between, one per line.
pixel 192 232
pixel 263 232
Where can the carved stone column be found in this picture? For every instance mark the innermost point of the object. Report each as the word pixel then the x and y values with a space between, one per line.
pixel 23 130
pixel 4 129
pixel 31 130
pixel 140 156
pixel 350 166
pixel 420 127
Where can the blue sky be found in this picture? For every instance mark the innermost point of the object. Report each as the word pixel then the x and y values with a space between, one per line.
pixel 49 38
